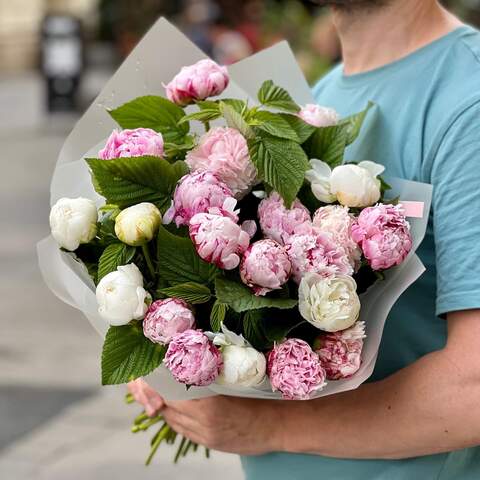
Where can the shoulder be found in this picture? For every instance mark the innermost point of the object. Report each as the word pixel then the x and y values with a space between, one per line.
pixel 327 80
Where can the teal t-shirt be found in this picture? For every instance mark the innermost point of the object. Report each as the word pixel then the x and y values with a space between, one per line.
pixel 425 127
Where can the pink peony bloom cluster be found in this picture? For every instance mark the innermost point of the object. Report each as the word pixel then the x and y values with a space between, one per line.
pixel 200 192
pixel 318 116
pixel 224 152
pixel 314 251
pixel 166 318
pixel 218 239
pixel 192 359
pixel 336 220
pixel 383 234
pixel 197 82
pixel 340 352
pixel 295 370
pixel 265 266
pixel 278 222
pixel 133 143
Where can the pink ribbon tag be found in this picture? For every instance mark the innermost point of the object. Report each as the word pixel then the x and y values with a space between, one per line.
pixel 413 209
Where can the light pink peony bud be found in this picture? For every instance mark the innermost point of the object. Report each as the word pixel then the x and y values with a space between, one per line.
pixel 224 152
pixel 166 318
pixel 265 267
pixel 383 233
pixel 295 370
pixel 340 352
pixel 193 359
pixel 278 222
pixel 318 116
pixel 313 251
pixel 197 82
pixel 200 193
pixel 218 240
pixel 133 143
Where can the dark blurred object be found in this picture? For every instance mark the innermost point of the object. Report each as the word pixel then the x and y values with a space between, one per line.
pixel 62 52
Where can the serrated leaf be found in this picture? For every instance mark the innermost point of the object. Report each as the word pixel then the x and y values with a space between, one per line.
pixel 238 105
pixel 127 354
pixel 240 298
pixel 271 95
pixel 191 292
pixel 328 144
pixel 153 112
pixel 128 181
pixel 205 115
pixel 275 125
pixel 217 315
pixel 114 256
pixel 280 163
pixel 178 261
pixel 354 123
pixel 302 129
pixel 235 120
pixel 253 329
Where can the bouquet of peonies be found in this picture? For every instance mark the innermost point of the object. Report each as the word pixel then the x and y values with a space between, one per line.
pixel 227 245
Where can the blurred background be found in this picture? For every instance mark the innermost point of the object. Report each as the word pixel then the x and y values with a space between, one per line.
pixel 55 56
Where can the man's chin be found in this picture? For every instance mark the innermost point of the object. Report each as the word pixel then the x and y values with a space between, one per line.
pixel 351 3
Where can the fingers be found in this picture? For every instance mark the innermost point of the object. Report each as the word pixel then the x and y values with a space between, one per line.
pixel 146 396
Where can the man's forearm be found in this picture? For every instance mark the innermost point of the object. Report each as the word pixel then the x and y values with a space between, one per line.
pixel 431 406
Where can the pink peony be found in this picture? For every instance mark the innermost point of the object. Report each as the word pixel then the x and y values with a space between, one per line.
pixel 340 352
pixel 318 116
pixel 295 370
pixel 193 359
pixel 197 82
pixel 224 151
pixel 278 222
pixel 265 267
pixel 336 220
pixel 314 251
pixel 383 233
pixel 133 143
pixel 166 318
pixel 200 193
pixel 218 239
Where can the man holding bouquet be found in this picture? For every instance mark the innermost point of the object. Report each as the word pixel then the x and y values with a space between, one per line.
pixel 418 416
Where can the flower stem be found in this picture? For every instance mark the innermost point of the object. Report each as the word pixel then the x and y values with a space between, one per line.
pixel 207 125
pixel 148 259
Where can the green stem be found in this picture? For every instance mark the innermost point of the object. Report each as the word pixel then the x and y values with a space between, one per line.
pixel 148 259
pixel 207 125
pixel 158 440
pixel 180 450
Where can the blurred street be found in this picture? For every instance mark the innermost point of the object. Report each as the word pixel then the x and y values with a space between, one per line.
pixel 56 422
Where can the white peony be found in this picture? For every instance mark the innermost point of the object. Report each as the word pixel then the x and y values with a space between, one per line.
pixel 121 297
pixel 330 304
pixel 73 221
pixel 243 366
pixel 137 225
pixel 351 185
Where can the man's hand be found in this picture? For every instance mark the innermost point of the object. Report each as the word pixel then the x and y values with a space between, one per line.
pixel 146 396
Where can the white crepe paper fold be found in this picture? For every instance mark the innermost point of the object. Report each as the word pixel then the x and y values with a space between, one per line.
pixel 155 61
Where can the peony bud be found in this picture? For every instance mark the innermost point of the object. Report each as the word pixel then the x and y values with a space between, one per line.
pixel 73 221
pixel 341 352
pixel 133 143
pixel 167 318
pixel 195 82
pixel 192 359
pixel 138 224
pixel 318 116
pixel 329 303
pixel 121 297
pixel 218 240
pixel 295 370
pixel 224 152
pixel 265 267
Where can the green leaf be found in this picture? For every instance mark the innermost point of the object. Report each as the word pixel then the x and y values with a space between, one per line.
pixel 153 112
pixel 238 105
pixel 178 261
pixel 236 120
pixel 271 95
pixel 328 144
pixel 253 329
pixel 127 354
pixel 240 298
pixel 354 123
pixel 114 256
pixel 205 115
pixel 217 315
pixel 302 129
pixel 280 163
pixel 191 292
pixel 275 125
pixel 128 181
pixel 176 151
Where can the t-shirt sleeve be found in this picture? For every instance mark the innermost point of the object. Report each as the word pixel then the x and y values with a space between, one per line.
pixel 455 176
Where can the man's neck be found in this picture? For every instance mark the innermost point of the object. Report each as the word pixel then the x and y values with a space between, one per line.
pixel 375 37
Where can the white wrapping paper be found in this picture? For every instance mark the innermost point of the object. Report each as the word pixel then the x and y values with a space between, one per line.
pixel 156 59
